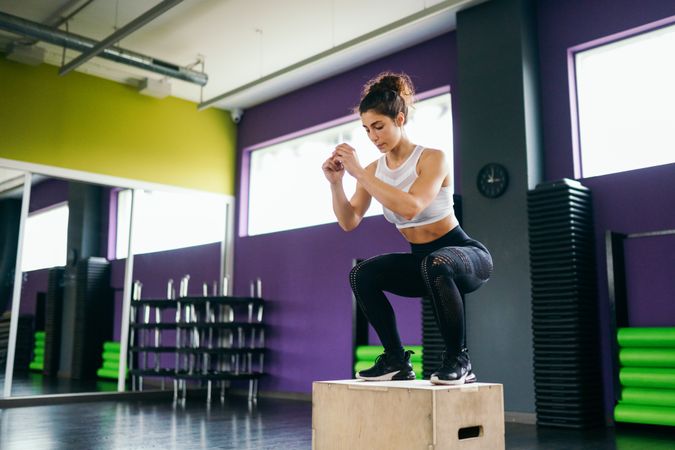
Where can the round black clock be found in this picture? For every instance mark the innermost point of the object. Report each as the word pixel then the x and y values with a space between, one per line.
pixel 492 180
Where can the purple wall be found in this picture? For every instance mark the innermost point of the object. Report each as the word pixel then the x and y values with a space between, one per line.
pixel 564 24
pixel 313 342
pixel 305 272
pixel 47 193
pixel 154 270
pixel 635 201
pixel 34 282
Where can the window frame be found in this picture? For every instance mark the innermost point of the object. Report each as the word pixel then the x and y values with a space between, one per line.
pixel 245 166
pixel 117 250
pixel 572 79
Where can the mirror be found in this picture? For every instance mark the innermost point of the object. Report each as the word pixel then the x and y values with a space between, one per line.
pixel 11 197
pixel 74 272
pixel 67 293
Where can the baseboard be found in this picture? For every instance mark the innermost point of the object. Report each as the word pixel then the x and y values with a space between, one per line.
pixel 520 417
pixel 60 399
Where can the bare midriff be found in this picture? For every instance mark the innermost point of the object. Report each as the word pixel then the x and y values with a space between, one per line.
pixel 429 232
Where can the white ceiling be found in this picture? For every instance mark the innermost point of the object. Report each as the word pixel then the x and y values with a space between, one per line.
pixel 259 49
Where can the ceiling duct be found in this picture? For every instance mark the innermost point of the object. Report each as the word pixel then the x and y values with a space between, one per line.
pixel 24 27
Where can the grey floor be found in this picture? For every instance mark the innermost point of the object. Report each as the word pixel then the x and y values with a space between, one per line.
pixel 236 424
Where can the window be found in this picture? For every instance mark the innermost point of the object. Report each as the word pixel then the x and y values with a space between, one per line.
pixel 45 241
pixel 287 189
pixel 168 220
pixel 626 103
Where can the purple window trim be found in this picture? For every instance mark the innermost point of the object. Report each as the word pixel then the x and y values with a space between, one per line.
pixel 244 184
pixel 572 78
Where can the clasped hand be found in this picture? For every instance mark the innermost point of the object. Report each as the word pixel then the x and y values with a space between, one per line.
pixel 346 155
pixel 342 159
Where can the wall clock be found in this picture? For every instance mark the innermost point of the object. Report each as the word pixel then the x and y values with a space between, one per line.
pixel 492 180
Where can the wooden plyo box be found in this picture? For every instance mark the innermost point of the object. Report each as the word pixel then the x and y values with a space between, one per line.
pixel 389 415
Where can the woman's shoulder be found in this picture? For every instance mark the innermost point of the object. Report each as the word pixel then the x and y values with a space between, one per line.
pixel 433 155
pixel 431 151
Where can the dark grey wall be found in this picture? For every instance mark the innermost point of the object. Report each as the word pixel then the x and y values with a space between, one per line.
pixel 497 67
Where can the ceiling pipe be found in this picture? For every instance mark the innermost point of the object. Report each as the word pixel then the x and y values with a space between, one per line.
pixel 121 33
pixel 72 41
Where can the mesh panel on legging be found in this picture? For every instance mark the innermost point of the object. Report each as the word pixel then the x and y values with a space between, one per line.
pixel 375 305
pixel 439 271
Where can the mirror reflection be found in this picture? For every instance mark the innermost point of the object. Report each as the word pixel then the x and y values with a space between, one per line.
pixel 177 252
pixel 74 256
pixel 67 297
pixel 11 195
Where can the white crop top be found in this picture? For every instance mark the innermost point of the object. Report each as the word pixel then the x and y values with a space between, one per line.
pixel 402 178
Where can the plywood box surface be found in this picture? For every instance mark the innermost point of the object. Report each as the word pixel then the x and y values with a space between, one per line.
pixel 355 414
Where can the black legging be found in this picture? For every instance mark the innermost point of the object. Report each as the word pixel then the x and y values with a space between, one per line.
pixel 443 270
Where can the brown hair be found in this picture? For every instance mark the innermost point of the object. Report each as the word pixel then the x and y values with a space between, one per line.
pixel 387 94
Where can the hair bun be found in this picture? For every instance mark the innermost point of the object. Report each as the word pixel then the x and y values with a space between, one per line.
pixel 400 83
pixel 389 94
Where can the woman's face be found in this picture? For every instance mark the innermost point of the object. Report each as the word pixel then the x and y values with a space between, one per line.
pixel 384 132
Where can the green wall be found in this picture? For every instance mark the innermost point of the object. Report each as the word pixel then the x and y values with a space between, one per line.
pixel 90 124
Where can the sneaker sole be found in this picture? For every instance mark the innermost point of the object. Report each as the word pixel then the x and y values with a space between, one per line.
pixel 466 379
pixel 392 376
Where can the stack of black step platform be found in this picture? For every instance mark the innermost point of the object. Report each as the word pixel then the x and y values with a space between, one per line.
pixel 24 343
pixel 564 306
pixel 4 340
pixel 53 315
pixel 93 310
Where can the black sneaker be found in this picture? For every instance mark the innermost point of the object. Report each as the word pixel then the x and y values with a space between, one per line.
pixel 455 370
pixel 389 367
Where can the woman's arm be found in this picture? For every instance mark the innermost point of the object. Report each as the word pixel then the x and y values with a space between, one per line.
pixel 432 170
pixel 349 213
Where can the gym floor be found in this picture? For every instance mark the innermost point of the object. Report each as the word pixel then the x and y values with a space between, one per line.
pixel 269 424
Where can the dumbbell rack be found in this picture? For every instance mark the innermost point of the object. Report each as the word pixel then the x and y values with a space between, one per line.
pixel 213 339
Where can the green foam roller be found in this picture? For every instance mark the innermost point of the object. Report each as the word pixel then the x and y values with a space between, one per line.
pixel 646 337
pixel 107 373
pixel 40 335
pixel 647 377
pixel 111 346
pixel 370 352
pixel 371 361
pixel 35 365
pixel 111 356
pixel 39 359
pixel 647 357
pixel 362 365
pixel 112 365
pixel 39 351
pixel 646 396
pixel 651 415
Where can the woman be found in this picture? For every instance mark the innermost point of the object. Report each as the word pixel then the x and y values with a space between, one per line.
pixel 414 186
